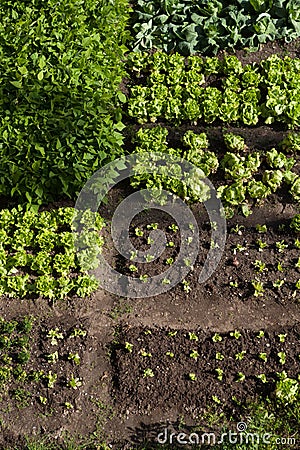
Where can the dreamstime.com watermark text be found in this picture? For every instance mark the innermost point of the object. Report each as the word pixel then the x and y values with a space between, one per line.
pixel 241 436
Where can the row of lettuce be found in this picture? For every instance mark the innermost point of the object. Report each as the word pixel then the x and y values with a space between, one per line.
pixel 173 89
pixel 247 176
pixel 49 254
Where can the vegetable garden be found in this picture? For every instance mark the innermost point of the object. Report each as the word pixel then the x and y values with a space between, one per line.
pixel 212 86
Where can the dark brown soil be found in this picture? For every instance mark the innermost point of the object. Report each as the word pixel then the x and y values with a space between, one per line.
pixel 168 354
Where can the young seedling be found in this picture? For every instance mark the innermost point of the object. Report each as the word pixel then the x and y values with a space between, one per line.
pixel 51 379
pixel 238 229
pixel 138 232
pixel 263 357
pixel 166 281
pixel 148 373
pixel 234 284
pixel 297 265
pixel 259 265
pixel 128 347
pixel 74 357
pixel 191 227
pixel 280 267
pixel 189 240
pixel 217 338
pixel 192 376
pixel 143 353
pixel 216 399
pixel 261 245
pixel 170 244
pixel 78 332
pixel 281 246
pixel 170 354
pixel 282 357
pixel 169 261
pixel 68 405
pixel 260 334
pixel 150 241
pixel 187 262
pixel 240 356
pixel 172 333
pixel 152 226
pixel 43 400
pixel 173 228
pixel 282 337
pixel 52 357
pixel 258 288
pixel 236 334
pixel 149 258
pixel 262 377
pixel 194 354
pixel 74 383
pixel 220 373
pixel 297 243
pixel 278 284
pixel 239 248
pixel 133 255
pixel 133 268
pixel 240 377
pixel 144 278
pixel 261 228
pixel 148 332
pixel 219 356
pixel 186 286
pixel 297 284
pixel 55 334
pixel 193 337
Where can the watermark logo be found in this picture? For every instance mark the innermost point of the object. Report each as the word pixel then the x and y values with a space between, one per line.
pixel 154 164
pixel 240 436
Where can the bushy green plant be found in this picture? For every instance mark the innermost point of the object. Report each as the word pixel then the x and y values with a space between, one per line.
pixel 61 66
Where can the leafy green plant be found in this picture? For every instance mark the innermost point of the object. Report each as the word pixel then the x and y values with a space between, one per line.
pixel 217 338
pixel 207 28
pixel 128 347
pixel 258 288
pixel 220 373
pixel 74 382
pixel 192 376
pixel 62 107
pixel 263 357
pixel 262 377
pixel 240 377
pixel 74 357
pixel 148 373
pixel 234 142
pixel 193 336
pixel 286 390
pixel 295 223
pixel 282 357
pixel 240 356
pixel 236 334
pixel 54 335
pixel 194 354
